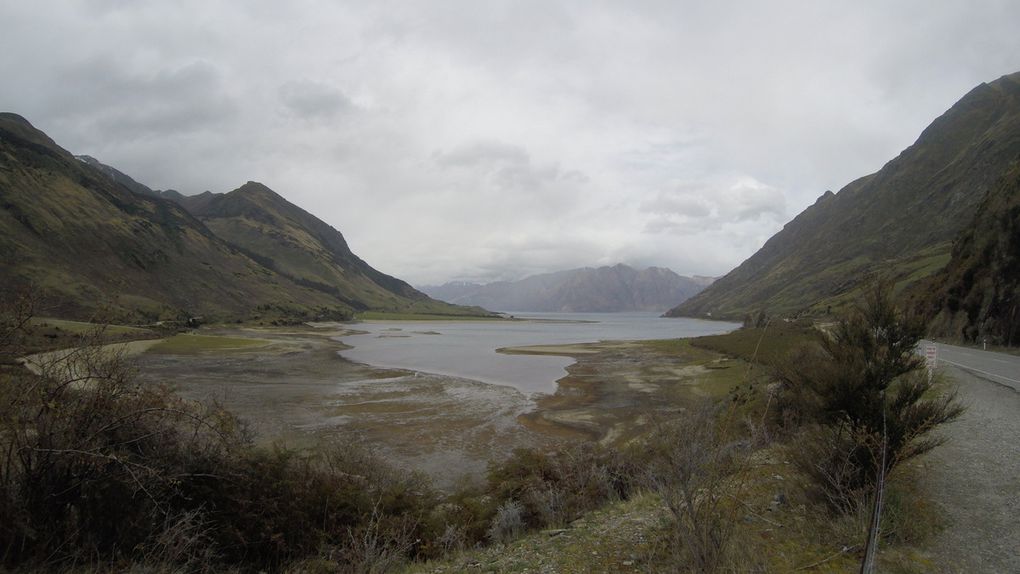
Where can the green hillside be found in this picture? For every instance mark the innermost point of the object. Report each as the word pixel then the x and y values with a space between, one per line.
pixel 296 244
pixel 977 296
pixel 84 241
pixel 898 223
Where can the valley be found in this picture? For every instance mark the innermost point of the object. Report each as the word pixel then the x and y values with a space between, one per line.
pixel 216 381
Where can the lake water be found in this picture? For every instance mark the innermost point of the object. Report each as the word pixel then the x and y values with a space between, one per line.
pixel 467 349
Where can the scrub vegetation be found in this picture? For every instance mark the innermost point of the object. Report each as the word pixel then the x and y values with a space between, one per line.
pixel 98 472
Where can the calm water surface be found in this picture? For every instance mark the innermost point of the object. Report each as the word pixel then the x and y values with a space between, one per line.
pixel 467 349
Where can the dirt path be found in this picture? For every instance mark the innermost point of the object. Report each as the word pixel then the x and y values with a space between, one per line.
pixel 976 479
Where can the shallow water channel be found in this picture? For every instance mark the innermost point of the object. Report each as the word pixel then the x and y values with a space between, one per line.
pixel 468 349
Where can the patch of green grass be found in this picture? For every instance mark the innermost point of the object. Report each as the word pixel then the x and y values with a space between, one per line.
pixel 188 344
pixel 81 327
pixel 681 348
pixel 397 316
pixel 722 374
pixel 760 345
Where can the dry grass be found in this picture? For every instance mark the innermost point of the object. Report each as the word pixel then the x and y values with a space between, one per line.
pixel 188 344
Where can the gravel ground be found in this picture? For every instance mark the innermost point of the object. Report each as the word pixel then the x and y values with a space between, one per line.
pixel 976 479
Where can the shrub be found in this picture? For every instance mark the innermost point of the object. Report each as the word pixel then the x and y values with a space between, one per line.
pixel 95 469
pixel 507 524
pixel 858 388
pixel 690 467
pixel 558 487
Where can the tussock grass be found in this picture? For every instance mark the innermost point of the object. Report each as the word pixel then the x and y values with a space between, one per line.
pixel 82 327
pixel 763 345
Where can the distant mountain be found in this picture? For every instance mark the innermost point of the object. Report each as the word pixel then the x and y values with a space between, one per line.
pixel 86 239
pixel 977 296
pixel 898 223
pixel 603 289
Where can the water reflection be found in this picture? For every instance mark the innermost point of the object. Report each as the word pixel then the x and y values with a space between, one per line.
pixel 467 349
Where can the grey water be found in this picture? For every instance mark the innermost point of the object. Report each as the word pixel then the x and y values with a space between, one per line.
pixel 467 349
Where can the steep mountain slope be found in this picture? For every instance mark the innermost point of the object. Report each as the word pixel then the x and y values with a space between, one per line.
pixel 897 223
pixel 294 243
pixel 605 289
pixel 977 295
pixel 117 176
pixel 85 242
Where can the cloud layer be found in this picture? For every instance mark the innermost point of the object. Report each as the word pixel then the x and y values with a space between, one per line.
pixel 487 140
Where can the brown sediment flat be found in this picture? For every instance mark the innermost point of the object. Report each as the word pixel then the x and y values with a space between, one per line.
pixel 617 390
pixel 558 350
pixel 297 389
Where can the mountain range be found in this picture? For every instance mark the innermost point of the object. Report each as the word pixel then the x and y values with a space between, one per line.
pixel 897 225
pixel 87 238
pixel 940 222
pixel 594 290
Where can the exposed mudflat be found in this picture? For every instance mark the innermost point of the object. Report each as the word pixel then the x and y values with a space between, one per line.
pixel 617 390
pixel 298 390
pixel 294 387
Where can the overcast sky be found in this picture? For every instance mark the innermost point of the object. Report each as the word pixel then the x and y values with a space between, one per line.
pixel 487 140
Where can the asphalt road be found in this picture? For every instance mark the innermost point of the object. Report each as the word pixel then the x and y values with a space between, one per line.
pixel 975 476
pixel 995 367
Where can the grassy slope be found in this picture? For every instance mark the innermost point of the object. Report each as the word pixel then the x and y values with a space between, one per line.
pixel 897 223
pixel 764 345
pixel 300 246
pixel 87 243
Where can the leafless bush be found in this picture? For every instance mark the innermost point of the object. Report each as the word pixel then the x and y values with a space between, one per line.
pixel 16 311
pixel 548 503
pixel 184 542
pixel 91 464
pixel 554 488
pixel 379 544
pixel 691 469
pixel 95 469
pixel 453 539
pixel 508 523
pixel 829 455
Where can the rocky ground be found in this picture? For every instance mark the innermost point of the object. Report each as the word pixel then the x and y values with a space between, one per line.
pixel 975 479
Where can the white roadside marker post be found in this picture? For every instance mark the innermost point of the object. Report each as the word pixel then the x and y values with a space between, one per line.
pixel 931 356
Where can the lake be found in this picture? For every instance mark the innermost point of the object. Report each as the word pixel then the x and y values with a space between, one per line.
pixel 467 349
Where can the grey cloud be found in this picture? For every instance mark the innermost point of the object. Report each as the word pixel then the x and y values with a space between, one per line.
pixel 687 200
pixel 118 103
pixel 314 100
pixel 749 200
pixel 507 166
pixel 695 207
pixel 569 121
pixel 485 153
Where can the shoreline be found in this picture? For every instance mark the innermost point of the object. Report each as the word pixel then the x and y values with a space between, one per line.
pixel 295 388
